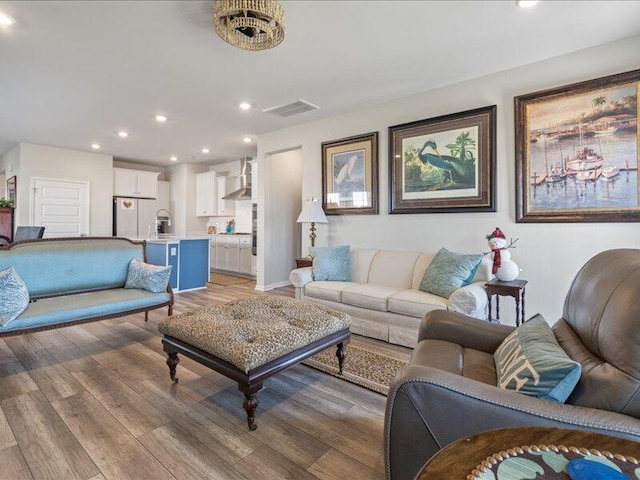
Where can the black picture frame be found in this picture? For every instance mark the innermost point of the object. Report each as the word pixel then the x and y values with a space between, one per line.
pixel 427 179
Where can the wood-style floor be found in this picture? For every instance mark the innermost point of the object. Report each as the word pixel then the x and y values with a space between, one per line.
pixel 95 402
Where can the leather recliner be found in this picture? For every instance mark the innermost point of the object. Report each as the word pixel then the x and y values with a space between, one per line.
pixel 448 391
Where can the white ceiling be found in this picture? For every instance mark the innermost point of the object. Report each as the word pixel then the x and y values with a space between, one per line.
pixel 73 73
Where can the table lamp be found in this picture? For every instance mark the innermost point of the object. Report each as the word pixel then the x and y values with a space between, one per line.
pixel 312 213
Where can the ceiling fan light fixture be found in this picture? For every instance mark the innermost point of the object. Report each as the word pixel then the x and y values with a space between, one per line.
pixel 249 24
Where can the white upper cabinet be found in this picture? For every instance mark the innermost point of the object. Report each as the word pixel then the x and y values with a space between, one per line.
pixel 135 183
pixel 206 198
pixel 164 195
pixel 226 208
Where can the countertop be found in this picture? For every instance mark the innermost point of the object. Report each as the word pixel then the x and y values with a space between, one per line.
pixel 169 238
pixel 172 238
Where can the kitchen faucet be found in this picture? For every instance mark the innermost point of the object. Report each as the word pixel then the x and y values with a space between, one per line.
pixel 158 221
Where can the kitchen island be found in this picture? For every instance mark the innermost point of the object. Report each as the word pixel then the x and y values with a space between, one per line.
pixel 189 257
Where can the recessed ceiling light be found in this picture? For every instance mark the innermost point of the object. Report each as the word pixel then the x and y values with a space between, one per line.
pixel 6 20
pixel 95 146
pixel 161 118
pixel 526 3
pixel 245 106
pixel 123 134
pixel 173 158
pixel 246 139
pixel 205 150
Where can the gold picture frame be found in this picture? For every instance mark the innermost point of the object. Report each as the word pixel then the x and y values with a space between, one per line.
pixel 577 152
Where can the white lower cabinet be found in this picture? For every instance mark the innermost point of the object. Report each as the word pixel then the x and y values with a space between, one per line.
pixel 245 255
pixel 212 254
pixel 228 253
pixel 231 253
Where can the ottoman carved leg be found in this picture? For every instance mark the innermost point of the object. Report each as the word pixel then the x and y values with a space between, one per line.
pixel 341 353
pixel 172 361
pixel 250 403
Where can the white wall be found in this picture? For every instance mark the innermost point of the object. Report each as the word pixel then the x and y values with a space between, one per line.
pixel 64 164
pixel 548 254
pixel 9 166
pixel 279 240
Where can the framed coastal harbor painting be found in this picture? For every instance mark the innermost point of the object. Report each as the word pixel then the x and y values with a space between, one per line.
pixel 577 152
pixel 444 164
pixel 350 175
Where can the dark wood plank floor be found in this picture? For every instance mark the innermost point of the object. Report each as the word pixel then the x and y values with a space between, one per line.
pixel 95 402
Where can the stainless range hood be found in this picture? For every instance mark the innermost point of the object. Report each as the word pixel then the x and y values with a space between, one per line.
pixel 244 192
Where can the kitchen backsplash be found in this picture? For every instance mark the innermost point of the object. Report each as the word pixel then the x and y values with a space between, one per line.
pixel 242 218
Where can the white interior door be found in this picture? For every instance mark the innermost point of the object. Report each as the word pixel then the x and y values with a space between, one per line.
pixel 61 206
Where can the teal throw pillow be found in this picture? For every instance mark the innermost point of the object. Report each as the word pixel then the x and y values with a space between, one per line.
pixel 531 361
pixel 448 271
pixel 332 263
pixel 145 276
pixel 14 295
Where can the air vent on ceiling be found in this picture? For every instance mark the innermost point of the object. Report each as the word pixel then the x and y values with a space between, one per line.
pixel 295 108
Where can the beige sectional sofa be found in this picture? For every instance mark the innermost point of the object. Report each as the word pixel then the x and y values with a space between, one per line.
pixel 383 298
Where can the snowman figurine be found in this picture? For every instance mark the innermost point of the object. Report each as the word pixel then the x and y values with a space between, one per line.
pixel 502 265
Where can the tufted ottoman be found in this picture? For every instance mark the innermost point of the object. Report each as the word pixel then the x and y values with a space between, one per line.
pixel 252 339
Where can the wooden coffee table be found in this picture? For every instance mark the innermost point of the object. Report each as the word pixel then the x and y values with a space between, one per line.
pixel 457 460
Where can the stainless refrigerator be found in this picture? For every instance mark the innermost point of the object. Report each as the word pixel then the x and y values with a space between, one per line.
pixel 134 217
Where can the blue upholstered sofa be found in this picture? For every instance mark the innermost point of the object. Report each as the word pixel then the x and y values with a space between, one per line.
pixel 76 280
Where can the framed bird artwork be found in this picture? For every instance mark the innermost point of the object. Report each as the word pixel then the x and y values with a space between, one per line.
pixel 444 164
pixel 350 175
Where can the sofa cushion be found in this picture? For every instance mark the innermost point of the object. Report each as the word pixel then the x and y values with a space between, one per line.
pixel 453 358
pixel 14 295
pixel 415 303
pixel 152 278
pixel 361 259
pixel 50 311
pixel 373 297
pixel 331 291
pixel 393 269
pixel 449 271
pixel 531 361
pixel 332 264
pixel 422 263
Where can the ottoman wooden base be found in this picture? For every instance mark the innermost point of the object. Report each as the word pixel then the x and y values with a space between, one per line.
pixel 251 383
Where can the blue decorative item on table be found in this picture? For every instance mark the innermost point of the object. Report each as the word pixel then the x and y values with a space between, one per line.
pixel 582 469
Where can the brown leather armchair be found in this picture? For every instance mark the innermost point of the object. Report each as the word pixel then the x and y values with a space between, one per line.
pixel 448 391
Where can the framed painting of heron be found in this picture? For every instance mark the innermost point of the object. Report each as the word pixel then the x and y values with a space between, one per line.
pixel 350 175
pixel 444 164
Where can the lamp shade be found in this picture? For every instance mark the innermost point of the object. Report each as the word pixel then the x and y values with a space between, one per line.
pixel 312 213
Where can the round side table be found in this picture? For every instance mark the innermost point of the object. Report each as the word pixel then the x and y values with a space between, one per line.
pixel 457 460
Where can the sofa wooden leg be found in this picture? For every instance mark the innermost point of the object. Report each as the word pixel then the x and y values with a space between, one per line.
pixel 146 316
pixel 170 312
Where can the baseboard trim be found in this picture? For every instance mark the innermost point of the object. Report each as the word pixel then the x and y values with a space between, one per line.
pixel 266 288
